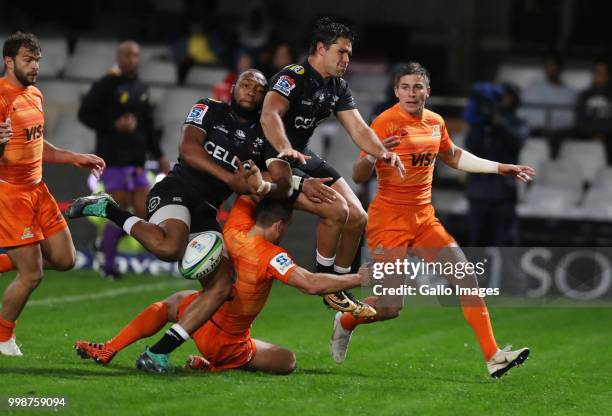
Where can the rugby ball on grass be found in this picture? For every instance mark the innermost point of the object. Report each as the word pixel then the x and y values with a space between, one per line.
pixel 202 256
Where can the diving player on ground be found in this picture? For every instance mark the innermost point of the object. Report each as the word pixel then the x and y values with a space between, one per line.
pixel 251 236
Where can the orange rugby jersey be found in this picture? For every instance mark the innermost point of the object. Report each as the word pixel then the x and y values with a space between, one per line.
pixel 257 263
pixel 421 139
pixel 22 159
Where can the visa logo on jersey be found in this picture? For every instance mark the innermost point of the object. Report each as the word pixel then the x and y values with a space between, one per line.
pixel 423 159
pixel 34 132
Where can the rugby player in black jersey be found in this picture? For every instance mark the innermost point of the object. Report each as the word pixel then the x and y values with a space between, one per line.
pixel 216 139
pixel 300 98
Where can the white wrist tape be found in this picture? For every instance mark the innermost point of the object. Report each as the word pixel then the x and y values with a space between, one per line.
pixel 297 183
pixel 264 188
pixel 473 164
pixel 371 158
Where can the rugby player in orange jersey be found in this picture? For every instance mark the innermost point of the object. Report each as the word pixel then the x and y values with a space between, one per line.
pixel 401 219
pixel 32 229
pixel 251 235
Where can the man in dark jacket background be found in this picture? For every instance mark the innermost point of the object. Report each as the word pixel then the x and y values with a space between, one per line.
pixel 495 133
pixel 117 107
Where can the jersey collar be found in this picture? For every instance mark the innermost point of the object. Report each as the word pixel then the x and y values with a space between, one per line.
pixel 313 73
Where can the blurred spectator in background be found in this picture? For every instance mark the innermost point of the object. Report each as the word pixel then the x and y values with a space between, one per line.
pixel 594 109
pixel 495 133
pixel 222 90
pixel 255 30
pixel 281 57
pixel 549 104
pixel 197 48
pixel 117 107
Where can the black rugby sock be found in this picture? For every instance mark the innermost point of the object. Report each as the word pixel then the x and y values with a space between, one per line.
pixel 169 342
pixel 117 215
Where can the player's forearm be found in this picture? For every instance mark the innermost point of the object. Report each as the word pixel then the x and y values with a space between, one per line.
pixel 322 283
pixel 274 130
pixel 362 169
pixel 365 138
pixel 467 162
pixel 52 154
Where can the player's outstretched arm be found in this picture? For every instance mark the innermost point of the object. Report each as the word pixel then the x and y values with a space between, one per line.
pixel 461 159
pixel 321 283
pixel 274 108
pixel 363 167
pixel 52 154
pixel 365 138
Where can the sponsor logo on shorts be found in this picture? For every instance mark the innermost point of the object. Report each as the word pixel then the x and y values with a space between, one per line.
pixel 282 263
pixel 153 203
pixel 196 115
pixel 177 199
pixel 435 132
pixel 27 233
pixel 285 84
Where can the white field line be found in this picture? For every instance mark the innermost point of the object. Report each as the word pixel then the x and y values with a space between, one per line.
pixel 111 293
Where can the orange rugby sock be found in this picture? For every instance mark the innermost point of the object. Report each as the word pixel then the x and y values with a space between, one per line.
pixel 149 322
pixel 6 264
pixel 6 329
pixel 349 322
pixel 478 318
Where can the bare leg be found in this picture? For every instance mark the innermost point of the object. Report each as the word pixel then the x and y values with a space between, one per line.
pixel 332 218
pixel 217 289
pixel 167 240
pixel 58 251
pixel 353 228
pixel 272 359
pixel 28 261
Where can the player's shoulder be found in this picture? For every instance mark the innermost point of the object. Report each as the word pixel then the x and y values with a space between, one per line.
pixel 287 79
pixel 35 91
pixel 277 257
pixel 213 103
pixel 390 113
pixel 293 70
pixel 205 107
pixel 432 117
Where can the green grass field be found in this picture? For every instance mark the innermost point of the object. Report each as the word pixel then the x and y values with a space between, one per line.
pixel 425 362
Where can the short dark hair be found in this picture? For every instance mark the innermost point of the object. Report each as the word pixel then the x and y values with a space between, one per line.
pixel 410 68
pixel 328 31
pixel 269 210
pixel 17 40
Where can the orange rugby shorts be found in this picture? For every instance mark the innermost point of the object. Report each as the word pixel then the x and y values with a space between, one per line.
pixel 404 226
pixel 224 351
pixel 28 214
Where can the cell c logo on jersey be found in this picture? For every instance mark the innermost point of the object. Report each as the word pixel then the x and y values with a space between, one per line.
pixel 153 203
pixel 304 122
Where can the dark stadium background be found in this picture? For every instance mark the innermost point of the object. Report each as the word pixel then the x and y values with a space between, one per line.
pixel 460 42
